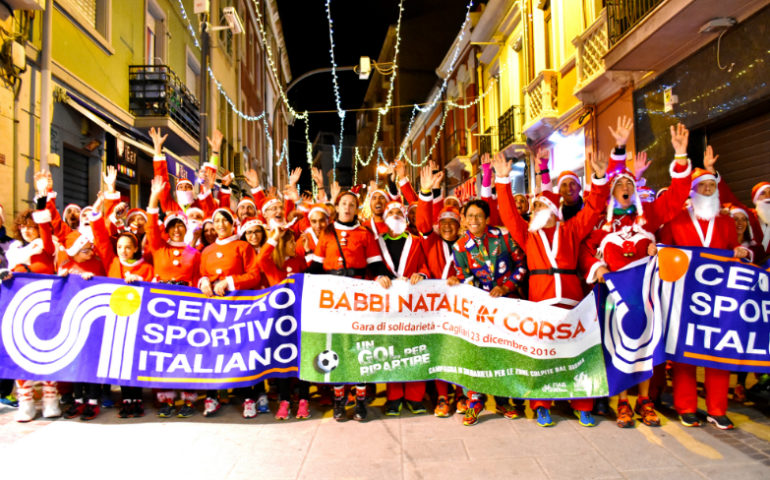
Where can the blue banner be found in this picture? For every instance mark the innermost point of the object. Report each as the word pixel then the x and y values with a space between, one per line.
pixel 145 334
pixel 690 305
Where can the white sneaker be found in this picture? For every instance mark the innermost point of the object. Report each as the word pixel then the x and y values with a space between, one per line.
pixel 210 407
pixel 26 411
pixel 51 407
pixel 249 408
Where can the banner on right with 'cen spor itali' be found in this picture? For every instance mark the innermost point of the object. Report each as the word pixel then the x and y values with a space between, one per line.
pixel 354 331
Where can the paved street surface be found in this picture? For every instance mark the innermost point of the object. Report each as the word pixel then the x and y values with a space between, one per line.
pixel 409 447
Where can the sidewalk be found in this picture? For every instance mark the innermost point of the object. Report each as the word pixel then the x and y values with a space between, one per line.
pixel 409 447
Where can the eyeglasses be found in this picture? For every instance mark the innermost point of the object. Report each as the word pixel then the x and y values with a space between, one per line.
pixel 252 232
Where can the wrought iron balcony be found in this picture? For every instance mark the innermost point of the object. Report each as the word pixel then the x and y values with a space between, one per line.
pixel 506 127
pixel 156 91
pixel 485 142
pixel 623 15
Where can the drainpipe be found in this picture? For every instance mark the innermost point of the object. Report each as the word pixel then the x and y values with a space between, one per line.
pixel 45 86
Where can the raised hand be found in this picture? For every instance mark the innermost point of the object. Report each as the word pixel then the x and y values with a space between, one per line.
pixel 156 185
pixel 318 176
pixel 599 163
pixel 679 137
pixel 335 190
pixel 485 159
pixel 157 140
pixel 295 175
pixel 426 178
pixel 501 165
pixel 110 177
pixel 622 131
pixel 306 197
pixel 227 179
pixel 709 159
pixel 400 169
pixel 641 164
pixel 252 178
pixel 215 141
pixel 41 183
pixel 437 179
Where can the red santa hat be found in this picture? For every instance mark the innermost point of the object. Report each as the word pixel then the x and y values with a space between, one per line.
pixel 245 201
pixel 269 202
pixel 551 200
pixel 182 181
pixel 758 188
pixel 736 209
pixel 69 207
pixel 197 210
pixel 249 223
pixel 646 194
pixel 391 206
pixel 614 179
pixel 567 174
pixel 376 192
pixel 75 242
pixel 318 208
pixel 701 175
pixel 136 211
pixel 449 213
pixel 346 192
pixel 226 212
pixel 459 202
pixel 174 216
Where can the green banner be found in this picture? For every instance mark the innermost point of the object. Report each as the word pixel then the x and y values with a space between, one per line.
pixel 355 331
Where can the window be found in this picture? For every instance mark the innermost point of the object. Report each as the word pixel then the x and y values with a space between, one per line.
pixel 92 16
pixel 193 74
pixel 226 35
pixel 154 35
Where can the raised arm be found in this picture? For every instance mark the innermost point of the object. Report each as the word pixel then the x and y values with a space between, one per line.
pixel 511 217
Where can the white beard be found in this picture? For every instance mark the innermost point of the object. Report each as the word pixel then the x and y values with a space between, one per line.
pixel 539 220
pixel 86 231
pixel 192 225
pixel 705 207
pixel 763 211
pixel 185 197
pixel 396 225
pixel 274 223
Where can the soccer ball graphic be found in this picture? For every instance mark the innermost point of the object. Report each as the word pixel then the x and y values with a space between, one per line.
pixel 327 361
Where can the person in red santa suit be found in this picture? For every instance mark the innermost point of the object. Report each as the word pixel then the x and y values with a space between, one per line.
pixel 348 249
pixel 122 261
pixel 318 217
pixel 702 225
pixel 227 265
pixel 440 236
pixel 551 246
pixel 378 200
pixel 82 261
pixel 279 259
pixel 34 251
pixel 176 263
pixel 403 254
pixel 184 193
pixel 627 234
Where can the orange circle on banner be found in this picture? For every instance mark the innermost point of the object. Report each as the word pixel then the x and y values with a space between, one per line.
pixel 672 264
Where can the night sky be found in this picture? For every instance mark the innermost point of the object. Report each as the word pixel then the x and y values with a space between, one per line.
pixel 360 27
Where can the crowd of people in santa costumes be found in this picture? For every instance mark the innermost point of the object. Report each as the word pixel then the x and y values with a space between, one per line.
pixel 550 246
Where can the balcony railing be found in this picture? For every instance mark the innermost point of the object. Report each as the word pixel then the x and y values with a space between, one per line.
pixel 485 142
pixel 506 127
pixel 591 46
pixel 155 91
pixel 542 98
pixel 623 15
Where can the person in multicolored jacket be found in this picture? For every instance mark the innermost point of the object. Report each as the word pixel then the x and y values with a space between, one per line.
pixel 488 258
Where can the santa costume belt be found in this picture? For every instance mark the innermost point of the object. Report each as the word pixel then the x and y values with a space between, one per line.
pixel 175 282
pixel 348 272
pixel 553 271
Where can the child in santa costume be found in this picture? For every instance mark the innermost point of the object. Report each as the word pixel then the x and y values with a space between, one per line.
pixel 551 246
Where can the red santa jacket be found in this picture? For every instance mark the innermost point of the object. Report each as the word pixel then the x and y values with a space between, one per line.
pixel 312 240
pixel 359 248
pixel 204 201
pixel 275 275
pixel 627 238
pixel 113 265
pixel 552 253
pixel 412 259
pixel 93 266
pixel 688 231
pixel 232 260
pixel 173 261
pixel 760 231
pixel 438 253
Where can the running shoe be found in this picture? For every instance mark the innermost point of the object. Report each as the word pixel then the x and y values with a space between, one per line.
pixel 585 419
pixel 544 417
pixel 721 422
pixel 303 410
pixel 646 409
pixel 625 415
pixel 283 410
pixel 689 420
pixel 442 409
pixel 210 407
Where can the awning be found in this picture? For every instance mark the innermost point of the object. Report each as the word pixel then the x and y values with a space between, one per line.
pixel 117 129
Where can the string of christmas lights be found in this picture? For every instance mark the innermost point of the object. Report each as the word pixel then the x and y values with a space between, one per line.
pixel 336 151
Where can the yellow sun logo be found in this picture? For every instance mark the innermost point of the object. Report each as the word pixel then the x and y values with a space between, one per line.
pixel 125 301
